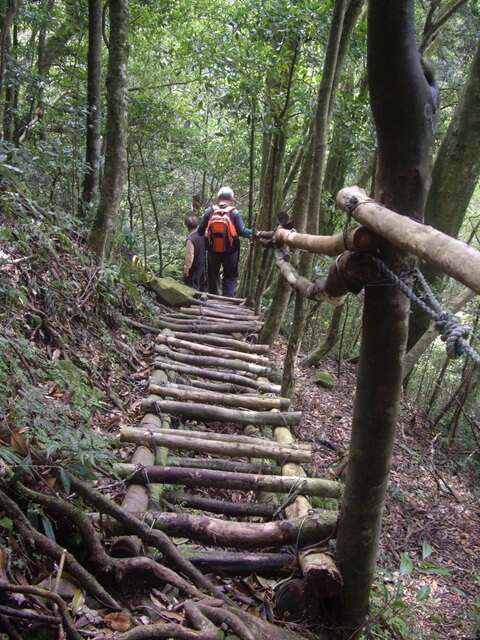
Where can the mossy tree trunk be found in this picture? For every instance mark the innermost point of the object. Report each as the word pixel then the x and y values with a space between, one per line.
pixel 404 108
pixel 105 222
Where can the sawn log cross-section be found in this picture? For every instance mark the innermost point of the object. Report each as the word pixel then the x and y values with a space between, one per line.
pixel 215 462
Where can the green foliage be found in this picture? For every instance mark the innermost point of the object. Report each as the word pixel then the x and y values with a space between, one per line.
pixel 395 599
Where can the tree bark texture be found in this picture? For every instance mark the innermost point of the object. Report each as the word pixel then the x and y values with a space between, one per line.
pixel 404 108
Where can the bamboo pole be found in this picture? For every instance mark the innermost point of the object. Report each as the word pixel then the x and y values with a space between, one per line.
pixel 230 438
pixel 225 507
pixel 207 312
pixel 453 257
pixel 320 574
pixel 240 563
pixel 219 464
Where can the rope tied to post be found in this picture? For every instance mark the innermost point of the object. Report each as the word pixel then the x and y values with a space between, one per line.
pixel 452 332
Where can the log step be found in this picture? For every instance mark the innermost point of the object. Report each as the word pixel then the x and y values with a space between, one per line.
pixel 227 480
pixel 230 448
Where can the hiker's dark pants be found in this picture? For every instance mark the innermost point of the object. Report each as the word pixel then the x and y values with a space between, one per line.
pixel 229 275
pixel 196 279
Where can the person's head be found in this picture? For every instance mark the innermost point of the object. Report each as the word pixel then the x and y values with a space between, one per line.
pixel 191 222
pixel 225 194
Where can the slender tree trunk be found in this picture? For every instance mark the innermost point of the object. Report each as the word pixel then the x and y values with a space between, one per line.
pixel 318 156
pixel 321 351
pixel 92 154
pixel 403 105
pixel 8 13
pixel 105 223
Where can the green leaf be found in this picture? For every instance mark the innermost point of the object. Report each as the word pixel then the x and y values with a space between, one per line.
pixel 406 565
pixel 426 549
pixel 47 527
pixel 65 479
pixel 423 593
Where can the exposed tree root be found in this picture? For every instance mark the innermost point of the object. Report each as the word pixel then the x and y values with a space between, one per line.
pixel 202 620
pixel 64 615
pixel 37 541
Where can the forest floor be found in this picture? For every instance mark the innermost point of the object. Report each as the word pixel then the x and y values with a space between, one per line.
pixel 432 510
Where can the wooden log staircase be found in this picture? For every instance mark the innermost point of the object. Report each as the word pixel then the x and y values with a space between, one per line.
pixel 215 464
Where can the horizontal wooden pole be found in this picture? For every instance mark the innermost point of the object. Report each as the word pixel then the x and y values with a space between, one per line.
pixel 244 535
pixel 225 507
pixel 206 413
pixel 222 341
pixel 230 438
pixel 217 313
pixel 222 376
pixel 257 403
pixel 220 464
pixel 205 361
pixel 227 480
pixel 359 239
pixel 205 349
pixel 216 447
pixel 454 257
pixel 235 563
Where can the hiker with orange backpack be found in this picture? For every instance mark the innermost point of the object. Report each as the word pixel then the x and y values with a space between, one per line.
pixel 222 225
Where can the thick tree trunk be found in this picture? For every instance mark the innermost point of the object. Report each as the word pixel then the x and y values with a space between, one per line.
pixel 105 222
pixel 404 108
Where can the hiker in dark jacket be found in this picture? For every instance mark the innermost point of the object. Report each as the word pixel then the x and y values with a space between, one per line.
pixel 228 259
pixel 195 251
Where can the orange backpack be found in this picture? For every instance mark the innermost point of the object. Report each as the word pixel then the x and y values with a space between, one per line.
pixel 221 233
